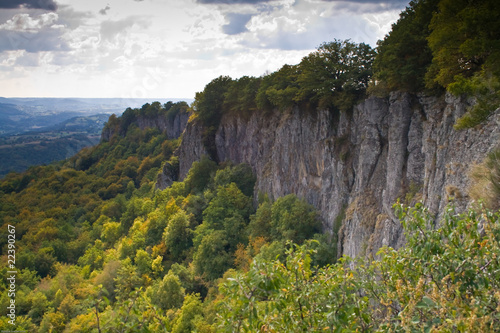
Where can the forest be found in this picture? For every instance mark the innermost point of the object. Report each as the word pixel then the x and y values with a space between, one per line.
pixel 97 247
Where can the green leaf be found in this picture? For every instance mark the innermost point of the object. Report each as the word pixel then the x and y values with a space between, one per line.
pixel 426 303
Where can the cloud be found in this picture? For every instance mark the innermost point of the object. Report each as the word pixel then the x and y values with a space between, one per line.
pixel 110 29
pixel 44 40
pixel 237 23
pixel 232 2
pixel 104 10
pixel 35 4
pixel 28 60
pixel 25 23
pixel 23 32
pixel 368 6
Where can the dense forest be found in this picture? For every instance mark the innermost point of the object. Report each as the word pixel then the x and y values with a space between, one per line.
pixel 98 248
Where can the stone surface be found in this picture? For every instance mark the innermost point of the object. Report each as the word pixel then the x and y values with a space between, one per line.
pixel 173 127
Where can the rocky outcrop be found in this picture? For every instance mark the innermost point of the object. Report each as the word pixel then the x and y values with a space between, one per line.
pixel 353 167
pixel 172 126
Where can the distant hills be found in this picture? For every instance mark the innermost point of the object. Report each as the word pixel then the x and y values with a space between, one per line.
pixel 18 115
pixel 36 131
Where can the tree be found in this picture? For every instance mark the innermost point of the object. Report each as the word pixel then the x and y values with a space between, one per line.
pixel 127 279
pixel 337 74
pixel 465 37
pixel 178 236
pixel 240 96
pixel 278 89
pixel 212 258
pixel 443 279
pixel 191 310
pixel 293 219
pixel 200 174
pixel 404 56
pixel 241 174
pixel 228 202
pixel 260 222
pixel 465 43
pixel 168 293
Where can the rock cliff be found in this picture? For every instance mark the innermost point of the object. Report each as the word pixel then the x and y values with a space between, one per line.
pixel 173 126
pixel 353 166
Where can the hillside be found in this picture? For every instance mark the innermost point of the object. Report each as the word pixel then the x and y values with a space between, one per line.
pixel 341 194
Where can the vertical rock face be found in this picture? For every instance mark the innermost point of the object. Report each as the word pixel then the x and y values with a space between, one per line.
pixel 353 167
pixel 173 127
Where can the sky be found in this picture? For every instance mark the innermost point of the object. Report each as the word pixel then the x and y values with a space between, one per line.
pixel 168 48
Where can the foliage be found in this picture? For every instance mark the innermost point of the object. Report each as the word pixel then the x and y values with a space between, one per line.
pixel 404 56
pixel 443 279
pixel 465 43
pixel 486 181
pixel 177 235
pixel 336 75
pixel 465 37
pixel 241 174
pixel 278 89
pixel 486 90
pixel 168 293
pixel 200 174
pixel 293 219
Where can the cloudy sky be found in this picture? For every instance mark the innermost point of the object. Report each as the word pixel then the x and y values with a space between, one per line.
pixel 168 48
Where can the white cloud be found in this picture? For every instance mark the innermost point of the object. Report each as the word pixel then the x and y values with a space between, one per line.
pixel 25 23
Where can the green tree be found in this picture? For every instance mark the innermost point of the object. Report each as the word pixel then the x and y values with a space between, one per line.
pixel 191 310
pixel 443 279
pixel 200 174
pixel 293 219
pixel 168 293
pixel 465 43
pixel 404 55
pixel 241 174
pixel 465 37
pixel 228 201
pixel 240 96
pixel 178 236
pixel 127 279
pixel 278 89
pixel 260 222
pixel 337 74
pixel 212 258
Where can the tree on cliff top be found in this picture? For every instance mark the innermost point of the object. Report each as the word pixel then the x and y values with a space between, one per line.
pixel 404 55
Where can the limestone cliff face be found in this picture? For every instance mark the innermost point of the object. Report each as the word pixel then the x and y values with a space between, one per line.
pixel 353 167
pixel 173 127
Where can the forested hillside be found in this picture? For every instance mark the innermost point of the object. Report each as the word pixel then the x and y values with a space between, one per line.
pixel 96 246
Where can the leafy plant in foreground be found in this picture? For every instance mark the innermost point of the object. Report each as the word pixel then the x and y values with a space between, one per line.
pixel 444 279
